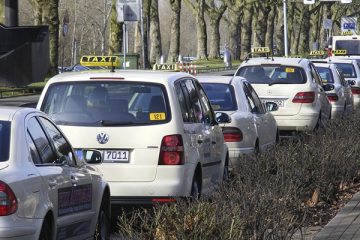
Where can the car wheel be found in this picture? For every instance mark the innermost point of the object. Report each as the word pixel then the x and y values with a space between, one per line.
pixel 45 233
pixel 195 188
pixel 226 174
pixel 319 123
pixel 102 231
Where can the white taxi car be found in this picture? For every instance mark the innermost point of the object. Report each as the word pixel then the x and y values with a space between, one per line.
pixel 157 131
pixel 351 72
pixel 252 128
pixel 295 85
pixel 45 191
pixel 340 97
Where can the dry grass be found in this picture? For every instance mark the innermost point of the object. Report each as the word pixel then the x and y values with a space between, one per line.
pixel 269 197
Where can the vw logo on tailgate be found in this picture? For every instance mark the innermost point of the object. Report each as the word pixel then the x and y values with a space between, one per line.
pixel 102 138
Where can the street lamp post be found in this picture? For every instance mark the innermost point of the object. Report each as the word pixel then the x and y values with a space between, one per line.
pixel 285 29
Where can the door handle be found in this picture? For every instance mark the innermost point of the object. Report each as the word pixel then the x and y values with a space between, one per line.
pixel 200 141
pixel 52 183
pixel 213 142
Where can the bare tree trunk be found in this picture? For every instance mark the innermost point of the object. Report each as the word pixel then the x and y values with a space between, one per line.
pixel 246 28
pixel 235 13
pixel 174 50
pixel 138 39
pixel 38 7
pixel 315 27
pixel 263 9
pixel 2 11
pixel 269 42
pixel 215 14
pixel 115 31
pixel 51 18
pixel 155 37
pixel 305 30
pixel 325 33
pixel 146 13
pixel 201 30
pixel 279 38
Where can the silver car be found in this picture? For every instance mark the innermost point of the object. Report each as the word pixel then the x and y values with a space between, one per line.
pixel 46 192
pixel 340 97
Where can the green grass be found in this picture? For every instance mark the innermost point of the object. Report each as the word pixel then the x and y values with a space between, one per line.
pixel 214 63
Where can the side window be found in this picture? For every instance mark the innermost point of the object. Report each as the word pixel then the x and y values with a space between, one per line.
pixel 32 148
pixel 62 147
pixel 315 76
pixel 255 99
pixel 342 79
pixel 195 101
pixel 182 102
pixel 41 142
pixel 205 103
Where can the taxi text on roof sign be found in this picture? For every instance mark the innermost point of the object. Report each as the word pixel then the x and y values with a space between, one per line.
pixel 338 52
pixel 168 67
pixel 260 50
pixel 347 33
pixel 317 53
pixel 100 61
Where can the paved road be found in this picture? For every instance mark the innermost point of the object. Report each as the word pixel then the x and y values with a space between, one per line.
pixel 23 101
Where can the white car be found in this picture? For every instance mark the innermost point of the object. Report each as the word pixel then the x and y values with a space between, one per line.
pixel 45 191
pixel 351 72
pixel 340 97
pixel 157 131
pixel 296 87
pixel 252 127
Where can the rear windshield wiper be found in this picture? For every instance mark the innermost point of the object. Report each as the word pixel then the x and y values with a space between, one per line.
pixel 273 83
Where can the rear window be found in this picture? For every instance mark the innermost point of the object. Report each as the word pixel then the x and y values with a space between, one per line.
pixel 221 96
pixel 347 69
pixel 352 47
pixel 4 140
pixel 273 74
pixel 107 103
pixel 325 74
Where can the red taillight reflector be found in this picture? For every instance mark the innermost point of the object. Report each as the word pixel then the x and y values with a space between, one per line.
pixel 232 134
pixel 8 201
pixel 355 90
pixel 304 97
pixel 332 97
pixel 171 150
pixel 163 200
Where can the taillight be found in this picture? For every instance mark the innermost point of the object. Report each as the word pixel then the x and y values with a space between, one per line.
pixel 232 134
pixel 304 97
pixel 8 202
pixel 355 90
pixel 171 150
pixel 333 97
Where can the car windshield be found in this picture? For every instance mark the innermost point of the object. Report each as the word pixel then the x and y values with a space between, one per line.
pixel 4 140
pixel 352 47
pixel 325 74
pixel 347 69
pixel 222 96
pixel 273 74
pixel 107 103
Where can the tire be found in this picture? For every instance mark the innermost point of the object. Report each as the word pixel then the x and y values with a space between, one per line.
pixel 102 231
pixel 226 173
pixel 195 188
pixel 46 233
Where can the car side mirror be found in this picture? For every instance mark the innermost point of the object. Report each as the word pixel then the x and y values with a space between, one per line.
pixel 328 87
pixel 351 82
pixel 222 117
pixel 92 156
pixel 271 106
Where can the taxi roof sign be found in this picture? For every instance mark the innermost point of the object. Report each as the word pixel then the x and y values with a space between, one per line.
pixel 100 61
pixel 339 52
pixel 260 50
pixel 347 33
pixel 317 53
pixel 166 67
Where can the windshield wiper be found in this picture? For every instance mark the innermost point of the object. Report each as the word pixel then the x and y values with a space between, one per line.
pixel 273 83
pixel 114 123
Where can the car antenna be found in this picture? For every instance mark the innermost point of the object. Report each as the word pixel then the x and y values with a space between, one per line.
pixel 112 66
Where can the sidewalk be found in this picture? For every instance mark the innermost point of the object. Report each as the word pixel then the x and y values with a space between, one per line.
pixel 345 225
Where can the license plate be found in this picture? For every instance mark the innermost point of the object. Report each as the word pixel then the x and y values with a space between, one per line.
pixel 116 156
pixel 280 103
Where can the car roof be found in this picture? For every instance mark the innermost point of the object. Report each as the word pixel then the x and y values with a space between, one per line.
pixel 119 75
pixel 323 64
pixel 276 60
pixel 7 113
pixel 337 60
pixel 218 79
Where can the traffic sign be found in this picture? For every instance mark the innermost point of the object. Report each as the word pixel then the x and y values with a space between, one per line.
pixel 128 10
pixel 349 24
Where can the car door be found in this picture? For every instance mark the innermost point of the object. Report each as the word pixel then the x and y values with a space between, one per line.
pixel 346 90
pixel 78 211
pixel 56 177
pixel 215 135
pixel 260 118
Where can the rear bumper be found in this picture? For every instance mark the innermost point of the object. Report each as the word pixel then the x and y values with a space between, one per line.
pixel 356 98
pixel 300 122
pixel 336 111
